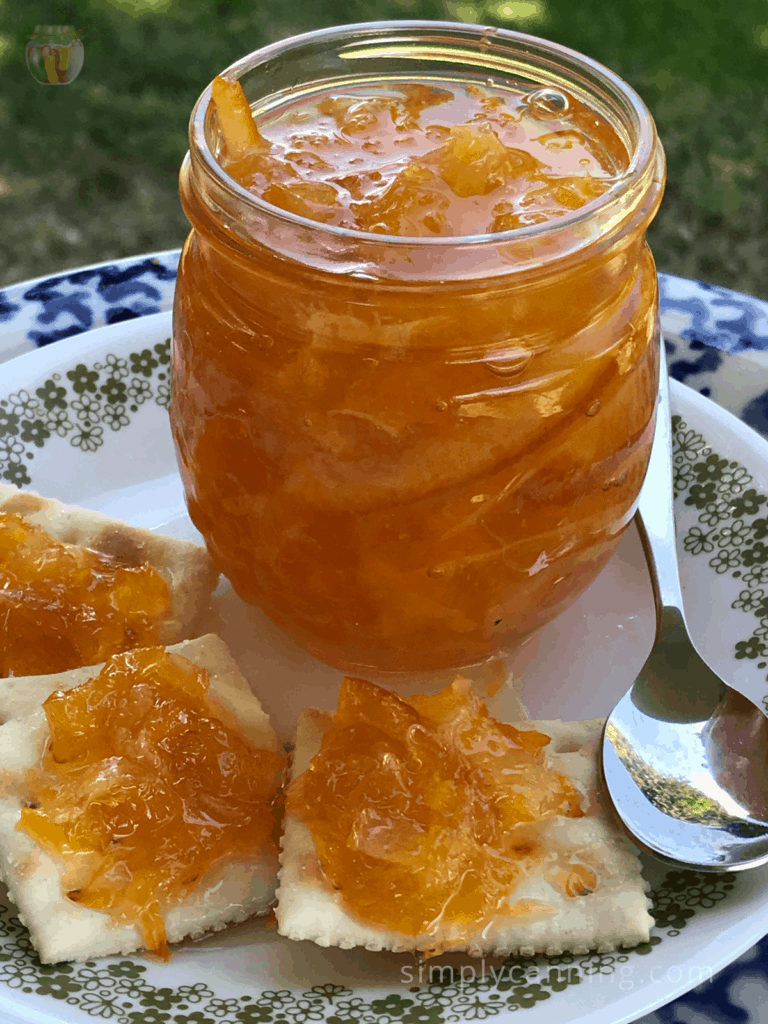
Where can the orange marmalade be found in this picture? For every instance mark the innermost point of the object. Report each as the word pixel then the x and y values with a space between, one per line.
pixel 416 346
pixel 145 786
pixel 420 810
pixel 63 606
pixel 420 159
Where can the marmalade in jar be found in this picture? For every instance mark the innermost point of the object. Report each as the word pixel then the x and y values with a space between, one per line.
pixel 145 786
pixel 63 606
pixel 420 159
pixel 415 353
pixel 423 811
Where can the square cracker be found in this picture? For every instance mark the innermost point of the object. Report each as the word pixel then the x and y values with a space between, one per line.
pixel 185 566
pixel 63 930
pixel 615 915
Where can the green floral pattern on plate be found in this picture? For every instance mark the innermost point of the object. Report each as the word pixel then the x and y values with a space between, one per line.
pixel 117 989
pixel 732 529
pixel 84 405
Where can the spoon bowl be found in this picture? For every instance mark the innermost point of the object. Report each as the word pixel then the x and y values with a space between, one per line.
pixel 684 756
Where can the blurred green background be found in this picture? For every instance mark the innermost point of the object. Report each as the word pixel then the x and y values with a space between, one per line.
pixel 88 172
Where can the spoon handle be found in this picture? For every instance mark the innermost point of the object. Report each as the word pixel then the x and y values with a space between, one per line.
pixel 656 513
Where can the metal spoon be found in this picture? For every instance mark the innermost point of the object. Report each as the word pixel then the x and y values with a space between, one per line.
pixel 684 757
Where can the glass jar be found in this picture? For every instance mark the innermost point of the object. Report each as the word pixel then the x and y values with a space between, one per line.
pixel 411 452
pixel 55 54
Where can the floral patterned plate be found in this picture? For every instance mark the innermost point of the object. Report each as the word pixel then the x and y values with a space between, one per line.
pixel 85 420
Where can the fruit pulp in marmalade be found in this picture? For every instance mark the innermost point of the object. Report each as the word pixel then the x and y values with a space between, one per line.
pixel 424 812
pixel 145 786
pixel 63 606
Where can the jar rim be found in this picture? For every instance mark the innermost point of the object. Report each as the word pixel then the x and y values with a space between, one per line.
pixel 641 156
pixel 54 30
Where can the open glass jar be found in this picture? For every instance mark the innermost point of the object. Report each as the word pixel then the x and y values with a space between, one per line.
pixel 412 451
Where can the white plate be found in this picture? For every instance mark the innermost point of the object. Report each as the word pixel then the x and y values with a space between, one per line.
pixel 85 421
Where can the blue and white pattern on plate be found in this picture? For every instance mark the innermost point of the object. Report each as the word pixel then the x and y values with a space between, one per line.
pixel 43 311
pixel 714 317
pixel 717 343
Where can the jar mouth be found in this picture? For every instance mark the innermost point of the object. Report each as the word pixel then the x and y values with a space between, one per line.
pixel 491 50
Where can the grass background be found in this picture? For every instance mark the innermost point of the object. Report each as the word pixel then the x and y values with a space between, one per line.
pixel 89 172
